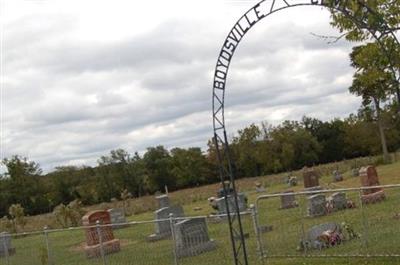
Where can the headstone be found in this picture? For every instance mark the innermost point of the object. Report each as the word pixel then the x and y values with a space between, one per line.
pixel 192 237
pixel 259 187
pixel 163 201
pixel 338 201
pixel 163 228
pixel 317 205
pixel 313 236
pixel 93 237
pixel 241 197
pixel 369 177
pixel 310 177
pixel 212 202
pixel 117 217
pixel 288 201
pixel 221 192
pixel 355 172
pixel 292 181
pixel 316 188
pixel 286 179
pixel 6 248
pixel 337 176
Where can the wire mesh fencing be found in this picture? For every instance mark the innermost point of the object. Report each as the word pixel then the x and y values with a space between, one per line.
pixel 358 222
pixel 175 240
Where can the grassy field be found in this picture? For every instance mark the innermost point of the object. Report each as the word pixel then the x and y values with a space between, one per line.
pixel 379 228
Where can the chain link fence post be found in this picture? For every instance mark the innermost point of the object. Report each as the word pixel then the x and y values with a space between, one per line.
pixel 254 216
pixel 99 234
pixel 301 203
pixel 5 247
pixel 172 225
pixel 46 237
pixel 364 236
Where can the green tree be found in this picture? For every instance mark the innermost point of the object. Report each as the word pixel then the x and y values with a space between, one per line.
pixel 159 168
pixel 64 184
pixel 291 138
pixel 115 174
pixel 371 19
pixel 330 136
pixel 372 82
pixel 360 136
pixel 23 184
pixel 137 183
pixel 189 167
pixel 246 148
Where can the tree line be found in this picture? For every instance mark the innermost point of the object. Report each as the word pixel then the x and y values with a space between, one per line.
pixel 256 149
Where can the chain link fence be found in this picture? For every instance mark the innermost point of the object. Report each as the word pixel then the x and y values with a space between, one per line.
pixel 330 223
pixel 323 223
pixel 185 240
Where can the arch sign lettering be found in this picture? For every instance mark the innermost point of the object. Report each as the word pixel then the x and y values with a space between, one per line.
pixel 255 14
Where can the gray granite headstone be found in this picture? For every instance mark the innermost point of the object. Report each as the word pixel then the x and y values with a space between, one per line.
pixel 339 201
pixel 260 189
pixel 288 201
pixel 192 237
pixel 316 205
pixel 337 176
pixel 241 201
pixel 117 217
pixel 5 245
pixel 163 201
pixel 292 181
pixel 163 228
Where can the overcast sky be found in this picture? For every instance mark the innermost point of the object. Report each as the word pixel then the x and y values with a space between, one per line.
pixel 80 78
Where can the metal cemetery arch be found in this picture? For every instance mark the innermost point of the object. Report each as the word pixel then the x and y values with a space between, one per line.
pixel 261 10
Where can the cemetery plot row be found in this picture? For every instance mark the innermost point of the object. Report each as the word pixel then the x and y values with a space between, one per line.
pixel 194 240
pixel 341 222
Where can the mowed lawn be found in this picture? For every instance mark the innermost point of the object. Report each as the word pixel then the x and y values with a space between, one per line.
pixel 377 224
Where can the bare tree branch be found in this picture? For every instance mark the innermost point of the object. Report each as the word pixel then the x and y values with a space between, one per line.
pixel 329 39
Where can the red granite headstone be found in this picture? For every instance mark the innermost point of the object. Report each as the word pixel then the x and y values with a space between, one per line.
pixel 110 244
pixel 369 177
pixel 310 178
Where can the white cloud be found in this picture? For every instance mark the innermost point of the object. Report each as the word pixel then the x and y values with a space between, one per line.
pixel 83 77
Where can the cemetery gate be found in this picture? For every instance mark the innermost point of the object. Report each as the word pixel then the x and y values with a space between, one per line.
pixel 242 26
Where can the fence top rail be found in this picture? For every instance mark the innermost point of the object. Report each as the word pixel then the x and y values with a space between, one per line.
pixel 47 230
pixel 266 196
